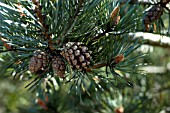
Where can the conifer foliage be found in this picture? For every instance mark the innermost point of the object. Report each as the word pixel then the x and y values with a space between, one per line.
pixel 83 44
pixel 83 47
pixel 76 40
pixel 66 38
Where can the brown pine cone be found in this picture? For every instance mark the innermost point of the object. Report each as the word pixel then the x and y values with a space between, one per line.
pixel 77 55
pixel 154 13
pixel 58 66
pixel 39 61
pixel 151 14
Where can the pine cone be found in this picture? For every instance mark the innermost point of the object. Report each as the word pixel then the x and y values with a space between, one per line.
pixel 77 55
pixel 39 62
pixel 58 66
pixel 152 14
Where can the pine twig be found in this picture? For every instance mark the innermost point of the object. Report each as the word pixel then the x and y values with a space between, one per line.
pixel 48 36
pixel 96 66
pixel 107 30
pixel 152 39
pixel 117 59
pixel 143 2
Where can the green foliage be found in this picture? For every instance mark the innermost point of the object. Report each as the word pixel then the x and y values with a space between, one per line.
pixel 69 21
pixel 99 90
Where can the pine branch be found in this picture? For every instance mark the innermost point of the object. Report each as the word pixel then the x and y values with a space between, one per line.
pixel 39 14
pixel 152 39
pixel 156 69
pixel 115 60
pixel 143 2
pixel 68 24
pixel 96 67
pixel 108 29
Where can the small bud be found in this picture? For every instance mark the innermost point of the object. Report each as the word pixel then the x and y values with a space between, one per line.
pixel 117 20
pixel 114 13
pixel 119 58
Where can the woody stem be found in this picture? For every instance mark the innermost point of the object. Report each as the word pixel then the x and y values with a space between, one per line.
pixel 96 66
pixel 47 36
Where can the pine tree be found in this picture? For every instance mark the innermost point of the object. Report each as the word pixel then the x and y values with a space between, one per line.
pixel 78 54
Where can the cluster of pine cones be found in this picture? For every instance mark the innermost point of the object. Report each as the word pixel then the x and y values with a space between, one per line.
pixel 153 13
pixel 74 53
